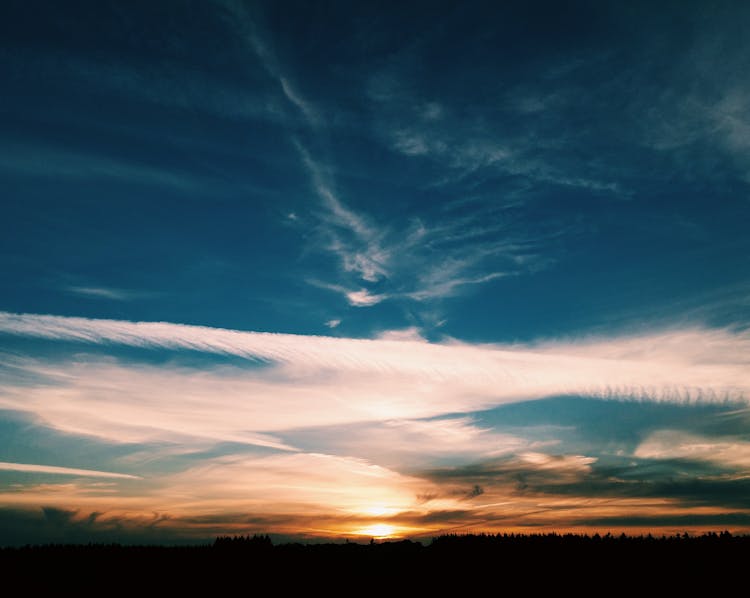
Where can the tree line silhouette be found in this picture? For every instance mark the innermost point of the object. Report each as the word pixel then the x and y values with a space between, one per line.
pixel 537 560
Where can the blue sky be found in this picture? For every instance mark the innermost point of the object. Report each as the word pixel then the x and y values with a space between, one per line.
pixel 441 247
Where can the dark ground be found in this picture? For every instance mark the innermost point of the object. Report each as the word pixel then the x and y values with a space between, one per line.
pixel 502 565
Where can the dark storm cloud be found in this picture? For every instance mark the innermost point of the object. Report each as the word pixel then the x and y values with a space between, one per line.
pixel 688 482
pixel 715 520
pixel 53 525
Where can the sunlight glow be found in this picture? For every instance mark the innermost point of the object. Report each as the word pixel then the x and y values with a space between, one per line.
pixel 379 511
pixel 379 530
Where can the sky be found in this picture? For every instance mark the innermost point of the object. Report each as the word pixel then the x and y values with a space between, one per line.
pixel 340 270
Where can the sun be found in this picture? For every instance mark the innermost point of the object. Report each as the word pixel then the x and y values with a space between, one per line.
pixel 378 530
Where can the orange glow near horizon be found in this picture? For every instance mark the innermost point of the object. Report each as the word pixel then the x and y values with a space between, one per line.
pixel 378 531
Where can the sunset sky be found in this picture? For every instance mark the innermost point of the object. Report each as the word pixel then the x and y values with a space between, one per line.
pixel 335 270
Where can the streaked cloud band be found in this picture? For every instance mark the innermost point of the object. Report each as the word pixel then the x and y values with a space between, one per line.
pixel 55 470
pixel 317 381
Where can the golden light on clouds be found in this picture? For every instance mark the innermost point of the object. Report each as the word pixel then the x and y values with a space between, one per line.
pixel 379 511
pixel 382 438
pixel 377 531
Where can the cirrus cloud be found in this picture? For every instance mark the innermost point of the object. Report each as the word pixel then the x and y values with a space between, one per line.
pixel 321 381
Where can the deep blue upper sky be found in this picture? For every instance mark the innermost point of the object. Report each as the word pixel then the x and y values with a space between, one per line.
pixel 521 170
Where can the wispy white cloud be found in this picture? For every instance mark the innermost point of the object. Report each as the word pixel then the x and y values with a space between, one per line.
pixel 673 444
pixel 333 323
pixel 348 235
pixel 408 445
pixel 247 23
pixel 701 110
pixel 295 98
pixel 368 251
pixel 301 482
pixel 680 122
pixel 48 161
pixel 104 293
pixel 168 83
pixel 418 260
pixel 339 213
pixel 433 111
pixel 319 381
pixel 364 298
pixel 365 249
pixel 575 464
pixel 412 333
pixel 445 286
pixel 472 148
pixel 55 470
pixel 476 155
pixel 355 297
pixel 356 242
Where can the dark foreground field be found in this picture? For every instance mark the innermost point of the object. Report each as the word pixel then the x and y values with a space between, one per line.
pixel 503 564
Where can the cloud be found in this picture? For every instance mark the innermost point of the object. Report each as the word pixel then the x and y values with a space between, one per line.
pixel 673 444
pixel 434 262
pixel 168 82
pixel 247 22
pixel 433 111
pixel 294 381
pixel 474 148
pixel 20 526
pixel 55 470
pixel 295 98
pixel 357 298
pixel 292 483
pixel 558 463
pixel 443 286
pixel 334 323
pixel 410 445
pixel 559 492
pixel 475 156
pixel 696 115
pixel 334 407
pixel 347 234
pixel 292 489
pixel 103 400
pixel 104 293
pixel 673 484
pixel 314 494
pixel 355 241
pixel 41 161
pixel 405 334
pixel 679 523
pixel 518 471
pixel 363 298
pixel 366 250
